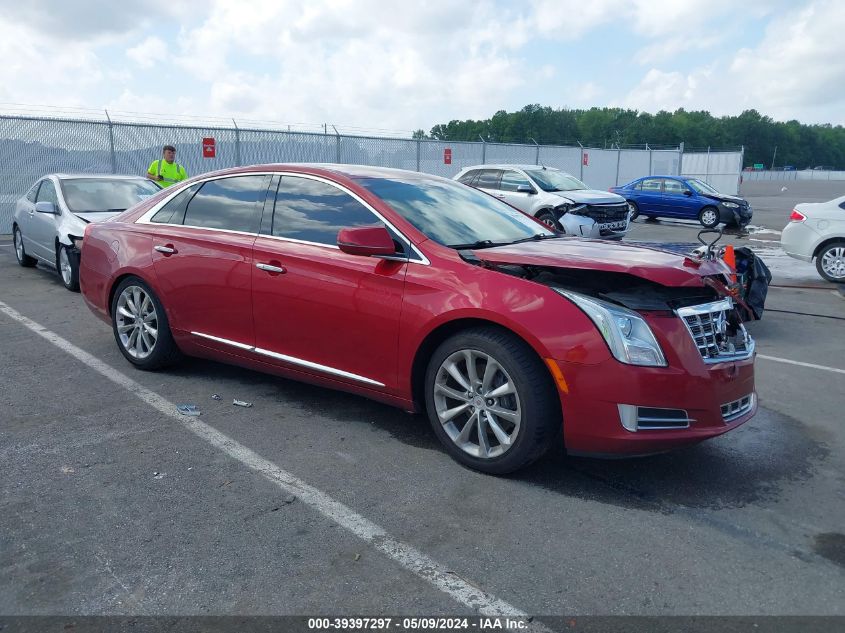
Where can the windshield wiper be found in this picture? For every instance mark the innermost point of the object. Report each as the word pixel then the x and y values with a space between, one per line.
pixel 538 237
pixel 478 244
pixel 102 210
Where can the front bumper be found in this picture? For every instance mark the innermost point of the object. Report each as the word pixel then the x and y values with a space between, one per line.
pixel 739 216
pixel 590 402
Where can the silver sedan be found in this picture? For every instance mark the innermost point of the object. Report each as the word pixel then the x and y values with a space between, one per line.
pixel 49 220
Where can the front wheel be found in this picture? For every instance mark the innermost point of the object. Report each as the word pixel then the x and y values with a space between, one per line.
pixel 68 264
pixel 709 217
pixel 830 262
pixel 491 401
pixel 140 326
pixel 548 218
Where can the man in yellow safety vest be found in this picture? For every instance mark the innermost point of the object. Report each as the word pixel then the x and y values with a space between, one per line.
pixel 166 171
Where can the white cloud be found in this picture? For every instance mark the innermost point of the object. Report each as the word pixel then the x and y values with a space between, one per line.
pixel 796 71
pixel 149 52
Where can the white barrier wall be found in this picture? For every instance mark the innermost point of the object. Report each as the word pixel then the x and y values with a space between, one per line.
pixel 721 170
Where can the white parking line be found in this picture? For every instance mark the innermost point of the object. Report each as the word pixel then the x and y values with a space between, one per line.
pixel 407 556
pixel 800 364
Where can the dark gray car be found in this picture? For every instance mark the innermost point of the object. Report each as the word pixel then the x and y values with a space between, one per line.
pixel 49 220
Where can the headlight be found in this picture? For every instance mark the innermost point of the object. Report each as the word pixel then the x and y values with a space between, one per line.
pixel 627 334
pixel 730 205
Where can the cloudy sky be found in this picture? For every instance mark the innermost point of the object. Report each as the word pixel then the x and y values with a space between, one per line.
pixel 403 65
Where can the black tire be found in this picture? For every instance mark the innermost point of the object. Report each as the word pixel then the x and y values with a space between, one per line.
pixel 635 210
pixel 71 281
pixel 164 352
pixel 540 423
pixel 829 250
pixel 705 213
pixel 548 218
pixel 20 252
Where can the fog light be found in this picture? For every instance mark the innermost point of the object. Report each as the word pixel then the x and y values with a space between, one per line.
pixel 628 416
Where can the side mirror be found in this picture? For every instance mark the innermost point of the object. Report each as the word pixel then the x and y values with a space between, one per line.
pixel 525 189
pixel 687 192
pixel 366 241
pixel 45 207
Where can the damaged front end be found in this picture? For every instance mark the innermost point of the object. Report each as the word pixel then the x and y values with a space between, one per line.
pixel 620 304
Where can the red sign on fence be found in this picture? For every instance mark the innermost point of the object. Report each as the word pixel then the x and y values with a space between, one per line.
pixel 586 159
pixel 209 149
pixel 447 156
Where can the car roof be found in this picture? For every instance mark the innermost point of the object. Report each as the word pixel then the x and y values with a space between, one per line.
pixel 353 172
pixel 511 166
pixel 63 176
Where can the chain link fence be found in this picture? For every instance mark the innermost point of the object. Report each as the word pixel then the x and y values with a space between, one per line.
pixel 31 147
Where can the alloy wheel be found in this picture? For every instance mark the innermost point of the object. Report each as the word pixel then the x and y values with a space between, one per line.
pixel 708 217
pixel 477 403
pixel 64 266
pixel 137 322
pixel 833 262
pixel 19 245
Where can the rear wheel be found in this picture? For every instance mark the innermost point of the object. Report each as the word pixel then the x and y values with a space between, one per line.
pixel 709 217
pixel 140 326
pixel 491 401
pixel 548 218
pixel 20 253
pixel 830 262
pixel 633 211
pixel 67 263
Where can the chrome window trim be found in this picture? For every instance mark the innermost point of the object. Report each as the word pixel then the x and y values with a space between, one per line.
pixel 291 359
pixel 146 217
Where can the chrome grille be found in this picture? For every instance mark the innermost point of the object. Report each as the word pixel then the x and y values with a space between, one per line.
pixel 738 408
pixel 717 332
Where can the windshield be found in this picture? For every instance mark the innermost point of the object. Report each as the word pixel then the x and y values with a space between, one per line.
pixel 553 180
pixel 702 187
pixel 89 195
pixel 453 214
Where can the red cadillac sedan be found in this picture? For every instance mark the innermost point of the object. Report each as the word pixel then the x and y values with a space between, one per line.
pixel 431 296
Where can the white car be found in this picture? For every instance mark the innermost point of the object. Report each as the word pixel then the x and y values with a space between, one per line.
pixel 554 197
pixel 817 231
pixel 50 218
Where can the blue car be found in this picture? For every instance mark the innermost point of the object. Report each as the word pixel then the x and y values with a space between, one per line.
pixel 686 198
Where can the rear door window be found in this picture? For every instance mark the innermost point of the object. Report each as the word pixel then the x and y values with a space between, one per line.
pixel 468 177
pixel 652 185
pixel 489 179
pixel 174 211
pixel 232 204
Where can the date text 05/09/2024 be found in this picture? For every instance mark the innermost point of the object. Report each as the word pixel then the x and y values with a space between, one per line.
pixel 480 623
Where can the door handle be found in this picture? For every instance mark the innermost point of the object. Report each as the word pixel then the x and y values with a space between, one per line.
pixel 270 268
pixel 167 250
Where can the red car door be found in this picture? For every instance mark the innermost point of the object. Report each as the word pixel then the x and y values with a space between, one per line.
pixel 202 255
pixel 316 308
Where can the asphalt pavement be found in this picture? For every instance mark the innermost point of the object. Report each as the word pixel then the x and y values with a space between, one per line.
pixel 318 502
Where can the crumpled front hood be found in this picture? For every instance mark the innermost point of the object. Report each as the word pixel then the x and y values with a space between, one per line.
pixel 590 196
pixel 659 266
pixel 96 216
pixel 723 197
